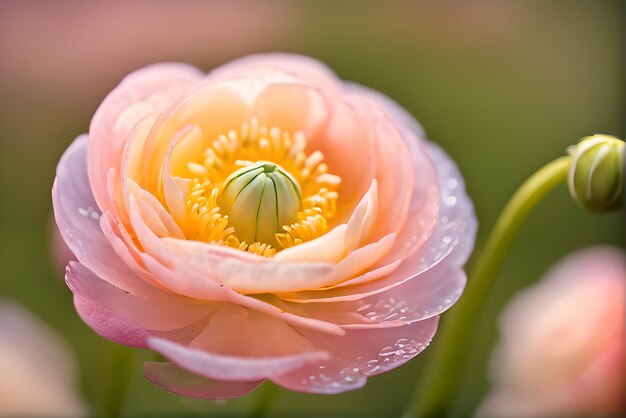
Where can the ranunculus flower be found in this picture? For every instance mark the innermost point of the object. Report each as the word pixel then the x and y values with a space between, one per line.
pixel 264 221
pixel 38 372
pixel 562 348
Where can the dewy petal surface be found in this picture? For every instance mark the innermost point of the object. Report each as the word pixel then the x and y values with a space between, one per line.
pixel 359 354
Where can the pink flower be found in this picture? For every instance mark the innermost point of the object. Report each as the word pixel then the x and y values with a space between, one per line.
pixel 562 347
pixel 264 221
pixel 38 371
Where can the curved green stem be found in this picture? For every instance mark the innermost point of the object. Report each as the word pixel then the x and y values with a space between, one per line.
pixel 118 382
pixel 440 381
pixel 263 401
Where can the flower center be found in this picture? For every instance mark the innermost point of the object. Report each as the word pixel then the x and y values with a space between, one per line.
pixel 257 190
pixel 259 200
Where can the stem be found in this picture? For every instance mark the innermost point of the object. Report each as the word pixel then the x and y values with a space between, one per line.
pixel 440 381
pixel 118 382
pixel 263 401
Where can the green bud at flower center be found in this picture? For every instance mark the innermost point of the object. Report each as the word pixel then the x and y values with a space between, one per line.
pixel 259 200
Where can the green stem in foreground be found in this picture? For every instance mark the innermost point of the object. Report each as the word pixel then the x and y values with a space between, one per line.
pixel 263 400
pixel 118 383
pixel 440 381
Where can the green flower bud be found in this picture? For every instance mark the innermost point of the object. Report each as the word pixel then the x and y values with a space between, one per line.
pixel 595 175
pixel 259 200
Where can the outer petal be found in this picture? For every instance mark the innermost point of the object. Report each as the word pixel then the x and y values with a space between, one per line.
pixel 125 318
pixel 457 219
pixel 393 172
pixel 400 116
pixel 184 383
pixel 358 354
pixel 77 216
pixel 143 92
pixel 435 291
pixel 230 368
pixel 414 300
pixel 306 68
pixel 423 205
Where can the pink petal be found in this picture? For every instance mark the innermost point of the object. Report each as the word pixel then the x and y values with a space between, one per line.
pixel 118 236
pixel 450 243
pixel 346 131
pixel 362 219
pixel 457 220
pixel 435 291
pixel 328 248
pixel 189 276
pixel 305 68
pixel 424 203
pixel 153 213
pixel 357 355
pixel 399 114
pixel 355 262
pixel 185 146
pixel 414 300
pixel 373 274
pixel 235 330
pixel 184 383
pixel 125 318
pixel 254 275
pixel 131 168
pixel 143 92
pixel 427 159
pixel 77 217
pixel 230 368
pixel 214 109
pixel 110 325
pixel 291 107
pixel 394 171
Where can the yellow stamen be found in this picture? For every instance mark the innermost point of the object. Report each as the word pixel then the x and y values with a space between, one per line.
pixel 258 148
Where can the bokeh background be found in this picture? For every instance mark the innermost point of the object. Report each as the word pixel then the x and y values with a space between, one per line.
pixel 503 86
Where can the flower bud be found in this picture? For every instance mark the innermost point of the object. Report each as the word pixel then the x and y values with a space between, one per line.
pixel 595 175
pixel 259 200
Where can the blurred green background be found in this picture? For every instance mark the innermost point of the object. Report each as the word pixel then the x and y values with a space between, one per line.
pixel 503 86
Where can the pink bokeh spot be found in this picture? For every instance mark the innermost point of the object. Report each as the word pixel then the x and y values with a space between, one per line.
pixel 562 351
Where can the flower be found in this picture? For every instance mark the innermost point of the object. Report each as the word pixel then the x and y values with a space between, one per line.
pixel 264 221
pixel 562 346
pixel 60 254
pixel 35 363
pixel 595 177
